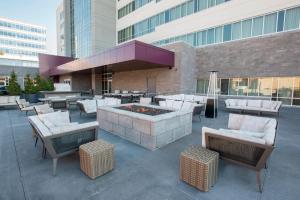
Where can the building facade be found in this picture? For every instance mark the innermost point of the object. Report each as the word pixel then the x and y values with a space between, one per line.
pixel 254 45
pixel 20 44
pixel 251 43
pixel 85 27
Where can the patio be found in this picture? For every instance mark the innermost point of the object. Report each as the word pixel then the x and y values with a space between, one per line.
pixel 140 173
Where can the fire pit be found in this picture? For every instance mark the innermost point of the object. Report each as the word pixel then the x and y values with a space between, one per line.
pixel 149 126
pixel 144 110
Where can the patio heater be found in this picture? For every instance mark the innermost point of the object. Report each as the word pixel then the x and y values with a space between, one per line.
pixel 211 110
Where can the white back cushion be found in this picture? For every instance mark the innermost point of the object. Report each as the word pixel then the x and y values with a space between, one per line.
pixel 177 105
pixel 3 99
pixel 145 101
pixel 100 102
pixel 254 103
pixel 11 99
pixel 162 103
pixel 169 103
pixel 235 121
pixel 55 119
pixel 187 106
pixel 242 103
pixel 267 104
pixel 189 97
pixel 256 124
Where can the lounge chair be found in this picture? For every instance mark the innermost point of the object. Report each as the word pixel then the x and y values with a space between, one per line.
pixel 8 100
pixel 43 109
pixel 248 141
pixel 25 106
pixel 60 137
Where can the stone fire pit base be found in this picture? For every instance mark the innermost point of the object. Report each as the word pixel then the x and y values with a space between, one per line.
pixel 151 132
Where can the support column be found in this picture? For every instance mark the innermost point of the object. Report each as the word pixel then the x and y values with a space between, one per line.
pixel 93 79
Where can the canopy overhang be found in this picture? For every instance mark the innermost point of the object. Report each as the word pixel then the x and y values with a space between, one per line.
pixel 133 55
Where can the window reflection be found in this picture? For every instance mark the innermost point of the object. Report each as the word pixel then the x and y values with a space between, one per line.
pixel 265 86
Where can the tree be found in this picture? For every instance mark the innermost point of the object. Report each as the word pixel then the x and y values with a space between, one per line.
pixel 29 87
pixel 13 86
pixel 39 85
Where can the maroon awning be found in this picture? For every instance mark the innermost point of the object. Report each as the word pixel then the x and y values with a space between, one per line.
pixel 133 55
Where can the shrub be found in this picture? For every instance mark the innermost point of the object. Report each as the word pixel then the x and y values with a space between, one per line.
pixel 13 86
pixel 29 87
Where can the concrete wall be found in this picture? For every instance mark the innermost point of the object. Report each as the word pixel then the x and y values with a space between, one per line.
pixel 181 78
pixel 274 55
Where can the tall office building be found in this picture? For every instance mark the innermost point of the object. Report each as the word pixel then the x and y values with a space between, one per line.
pixel 20 44
pixel 85 27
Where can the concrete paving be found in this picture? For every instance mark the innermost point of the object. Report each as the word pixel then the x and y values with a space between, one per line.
pixel 140 173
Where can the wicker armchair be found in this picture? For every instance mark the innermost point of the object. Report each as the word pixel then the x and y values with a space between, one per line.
pixel 236 147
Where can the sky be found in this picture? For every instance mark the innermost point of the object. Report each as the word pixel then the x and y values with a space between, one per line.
pixel 39 12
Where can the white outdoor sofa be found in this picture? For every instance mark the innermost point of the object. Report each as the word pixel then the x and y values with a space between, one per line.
pixel 60 137
pixel 90 106
pixel 248 141
pixel 260 106
pixel 8 100
pixel 183 97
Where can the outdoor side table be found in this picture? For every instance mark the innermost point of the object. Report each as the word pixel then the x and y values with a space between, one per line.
pixel 199 167
pixel 96 158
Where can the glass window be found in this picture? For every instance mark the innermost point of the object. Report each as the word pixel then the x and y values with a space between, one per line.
pixel 201 38
pixel 253 87
pixel 227 33
pixel 285 87
pixel 183 9
pixel 211 3
pixel 219 34
pixel 274 89
pixel 257 28
pixel 224 86
pixel 292 19
pixel 280 21
pixel 202 86
pixel 233 86
pixel 236 31
pixel 297 87
pixel 202 4
pixel 211 36
pixel 190 7
pixel 270 23
pixel 243 86
pixel 265 86
pixel 246 28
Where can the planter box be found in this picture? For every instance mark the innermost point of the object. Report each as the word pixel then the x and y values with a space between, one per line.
pixel 31 98
pixel 151 132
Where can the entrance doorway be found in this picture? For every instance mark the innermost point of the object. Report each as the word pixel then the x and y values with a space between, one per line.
pixel 106 82
pixel 151 86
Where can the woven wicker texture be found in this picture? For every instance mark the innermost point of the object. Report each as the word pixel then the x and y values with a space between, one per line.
pixel 199 167
pixel 96 158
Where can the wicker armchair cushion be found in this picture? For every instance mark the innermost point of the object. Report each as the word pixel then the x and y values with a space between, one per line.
pixel 249 133
pixel 230 134
pixel 72 127
pixel 235 121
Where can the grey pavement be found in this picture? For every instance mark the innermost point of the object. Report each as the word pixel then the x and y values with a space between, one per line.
pixel 140 173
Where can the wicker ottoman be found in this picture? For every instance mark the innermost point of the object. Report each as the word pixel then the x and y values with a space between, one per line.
pixel 199 167
pixel 96 158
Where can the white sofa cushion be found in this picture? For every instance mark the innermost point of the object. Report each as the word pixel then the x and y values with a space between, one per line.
pixel 177 105
pixel 12 99
pixel 3 99
pixel 231 102
pixel 267 104
pixel 146 101
pixel 169 103
pixel 189 97
pixel 187 106
pixel 242 103
pixel 235 121
pixel 200 99
pixel 254 103
pixel 162 103
pixel 255 124
pixel 100 102
pixel 249 133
